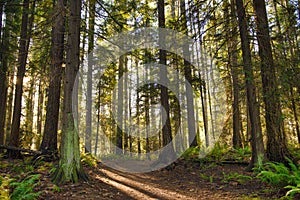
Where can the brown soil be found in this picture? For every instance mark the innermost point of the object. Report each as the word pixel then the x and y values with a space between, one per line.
pixel 187 180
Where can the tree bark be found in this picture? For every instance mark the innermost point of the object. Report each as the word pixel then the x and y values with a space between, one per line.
pixel 258 152
pixel 188 76
pixel 276 143
pixel 119 136
pixel 167 153
pixel 88 131
pixel 49 142
pixel 4 44
pixel 70 167
pixel 231 30
pixel 22 58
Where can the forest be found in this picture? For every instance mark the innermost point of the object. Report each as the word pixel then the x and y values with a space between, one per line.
pixel 166 99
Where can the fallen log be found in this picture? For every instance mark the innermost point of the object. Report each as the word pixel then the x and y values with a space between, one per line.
pixel 20 149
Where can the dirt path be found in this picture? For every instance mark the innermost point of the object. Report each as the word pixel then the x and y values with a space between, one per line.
pixel 186 181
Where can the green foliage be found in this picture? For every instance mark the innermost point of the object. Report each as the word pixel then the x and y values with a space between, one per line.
pixel 282 176
pixel 4 190
pixel 240 178
pixel 293 189
pixel 241 154
pixel 24 189
pixel 218 152
pixel 243 151
pixel 22 167
pixel 210 178
pixel 121 157
pixel 191 152
pixel 89 159
pixel 55 188
pixel 52 169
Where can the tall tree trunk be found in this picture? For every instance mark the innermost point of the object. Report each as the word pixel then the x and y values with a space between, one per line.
pixel 70 167
pixel 98 122
pixel 258 152
pixel 29 109
pixel 138 110
pixel 119 136
pixel 232 59
pixel 125 120
pixel 167 153
pixel 22 58
pixel 88 130
pixel 147 105
pixel 9 109
pixel 276 143
pixel 203 94
pixel 4 44
pixel 49 142
pixel 188 76
pixel 40 112
pixel 294 109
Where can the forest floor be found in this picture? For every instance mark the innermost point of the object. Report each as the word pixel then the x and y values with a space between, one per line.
pixel 187 180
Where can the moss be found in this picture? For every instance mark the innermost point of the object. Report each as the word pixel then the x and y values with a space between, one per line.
pixel 70 168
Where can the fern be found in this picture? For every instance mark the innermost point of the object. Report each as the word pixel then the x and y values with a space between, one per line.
pixel 24 190
pixel 293 190
pixel 281 176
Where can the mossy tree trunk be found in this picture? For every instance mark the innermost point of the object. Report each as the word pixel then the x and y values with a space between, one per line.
pixel 70 167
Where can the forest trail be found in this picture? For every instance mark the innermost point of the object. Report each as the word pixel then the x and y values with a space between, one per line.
pixel 187 180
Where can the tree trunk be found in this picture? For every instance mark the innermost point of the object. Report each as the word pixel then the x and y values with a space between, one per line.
pixel 167 153
pixel 147 93
pixel 188 76
pixel 9 109
pixel 88 130
pixel 49 142
pixel 29 112
pixel 119 136
pixel 276 143
pixel 22 58
pixel 70 167
pixel 98 123
pixel 294 109
pixel 258 152
pixel 203 94
pixel 40 112
pixel 4 44
pixel 232 59
pixel 138 110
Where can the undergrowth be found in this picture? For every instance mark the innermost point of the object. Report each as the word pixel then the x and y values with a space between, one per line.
pixel 281 176
pixel 23 190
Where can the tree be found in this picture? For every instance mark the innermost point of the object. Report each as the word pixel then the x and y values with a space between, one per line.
pixel 22 58
pixel 258 152
pixel 91 25
pixel 4 41
pixel 70 167
pixel 49 142
pixel 188 76
pixel 167 152
pixel 119 136
pixel 233 64
pixel 276 143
